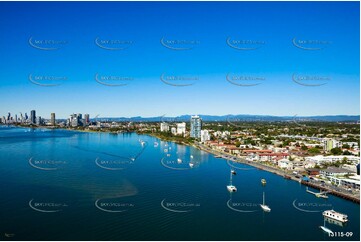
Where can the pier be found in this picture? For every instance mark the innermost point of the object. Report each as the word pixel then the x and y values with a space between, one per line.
pixel 318 194
pixel 333 192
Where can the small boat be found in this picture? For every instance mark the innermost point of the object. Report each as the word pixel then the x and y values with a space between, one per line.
pixel 233 172
pixel 327 230
pixel 231 188
pixel 168 155
pixel 165 150
pixel 263 181
pixel 191 156
pixel 287 177
pixel 156 144
pixel 217 156
pixel 264 206
pixel 179 161
pixel 335 215
pixel 191 165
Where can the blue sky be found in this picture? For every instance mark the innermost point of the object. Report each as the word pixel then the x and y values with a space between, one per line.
pixel 334 24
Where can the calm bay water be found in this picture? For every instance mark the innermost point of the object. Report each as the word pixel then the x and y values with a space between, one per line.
pixel 66 185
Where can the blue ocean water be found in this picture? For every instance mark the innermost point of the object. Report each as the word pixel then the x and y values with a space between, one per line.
pixel 68 185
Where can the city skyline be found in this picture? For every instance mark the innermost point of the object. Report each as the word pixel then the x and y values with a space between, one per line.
pixel 50 116
pixel 81 74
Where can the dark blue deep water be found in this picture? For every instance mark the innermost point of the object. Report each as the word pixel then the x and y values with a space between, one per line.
pixel 67 185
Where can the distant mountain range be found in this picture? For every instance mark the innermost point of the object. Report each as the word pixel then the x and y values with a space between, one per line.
pixel 239 117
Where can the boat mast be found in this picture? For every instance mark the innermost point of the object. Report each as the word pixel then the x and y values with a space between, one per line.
pixel 230 177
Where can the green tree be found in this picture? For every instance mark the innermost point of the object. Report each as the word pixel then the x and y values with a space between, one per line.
pixel 336 151
pixel 346 152
pixel 314 151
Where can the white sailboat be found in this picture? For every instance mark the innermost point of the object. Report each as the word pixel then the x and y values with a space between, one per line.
pixel 142 142
pixel 264 206
pixel 230 187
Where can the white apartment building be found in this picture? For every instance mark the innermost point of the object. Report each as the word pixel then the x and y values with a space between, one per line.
pixel 205 136
pixel 320 159
pixel 164 127
pixel 329 144
pixel 285 164
pixel 173 130
pixel 181 128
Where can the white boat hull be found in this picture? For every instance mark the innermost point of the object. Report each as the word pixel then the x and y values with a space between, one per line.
pixel 326 230
pixel 231 188
pixel 265 208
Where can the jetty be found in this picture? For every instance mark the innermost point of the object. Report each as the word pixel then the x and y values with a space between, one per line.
pixel 321 194
pixel 333 192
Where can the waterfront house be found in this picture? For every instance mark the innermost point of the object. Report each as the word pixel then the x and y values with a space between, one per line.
pixel 346 182
pixel 313 171
pixel 334 171
pixel 285 164
pixel 273 156
pixel 320 159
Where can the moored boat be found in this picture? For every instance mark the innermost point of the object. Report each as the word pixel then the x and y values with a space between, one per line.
pixel 335 215
pixel 264 206
pixel 231 188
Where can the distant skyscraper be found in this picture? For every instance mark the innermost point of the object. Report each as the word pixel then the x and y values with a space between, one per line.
pixel 16 118
pixel 52 119
pixel 86 119
pixel 196 126
pixel 9 116
pixel 26 116
pixel 32 116
pixel 39 121
pixel 75 120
